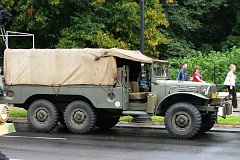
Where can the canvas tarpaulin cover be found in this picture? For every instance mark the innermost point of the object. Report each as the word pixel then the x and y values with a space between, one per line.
pixel 56 67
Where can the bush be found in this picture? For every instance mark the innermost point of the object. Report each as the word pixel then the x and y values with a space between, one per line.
pixel 215 65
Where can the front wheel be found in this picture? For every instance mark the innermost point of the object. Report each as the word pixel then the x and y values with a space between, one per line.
pixel 183 120
pixel 42 115
pixel 80 117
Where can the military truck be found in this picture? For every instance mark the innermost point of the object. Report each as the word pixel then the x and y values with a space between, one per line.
pixel 87 88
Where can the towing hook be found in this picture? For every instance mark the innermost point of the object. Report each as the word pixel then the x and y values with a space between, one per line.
pixel 228 97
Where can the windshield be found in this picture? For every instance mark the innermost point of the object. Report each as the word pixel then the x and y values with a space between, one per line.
pixel 160 69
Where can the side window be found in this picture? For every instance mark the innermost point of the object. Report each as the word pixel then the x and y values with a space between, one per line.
pixel 161 69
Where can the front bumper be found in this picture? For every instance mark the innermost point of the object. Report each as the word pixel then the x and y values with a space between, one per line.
pixel 218 105
pixel 225 109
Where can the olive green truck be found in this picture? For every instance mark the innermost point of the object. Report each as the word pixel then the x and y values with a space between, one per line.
pixel 87 88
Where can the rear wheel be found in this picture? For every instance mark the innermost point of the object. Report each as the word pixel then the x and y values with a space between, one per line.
pixel 208 122
pixel 106 122
pixel 183 120
pixel 42 115
pixel 80 117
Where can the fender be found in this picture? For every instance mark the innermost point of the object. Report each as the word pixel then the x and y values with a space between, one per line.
pixel 162 102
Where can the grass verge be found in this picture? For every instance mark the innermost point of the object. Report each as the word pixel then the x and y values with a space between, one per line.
pixel 21 113
pixel 230 120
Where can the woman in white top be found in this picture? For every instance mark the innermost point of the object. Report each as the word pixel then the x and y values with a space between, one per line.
pixel 230 83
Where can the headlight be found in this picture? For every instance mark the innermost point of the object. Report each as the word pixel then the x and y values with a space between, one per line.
pixel 206 91
pixel 4 111
pixel 210 93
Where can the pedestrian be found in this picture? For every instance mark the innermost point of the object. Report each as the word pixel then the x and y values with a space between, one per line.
pixel 182 74
pixel 197 77
pixel 230 83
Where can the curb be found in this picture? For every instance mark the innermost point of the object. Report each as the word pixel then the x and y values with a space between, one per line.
pixel 7 128
pixel 216 128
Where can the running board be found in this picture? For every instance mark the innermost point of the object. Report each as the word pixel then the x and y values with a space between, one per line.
pixel 134 113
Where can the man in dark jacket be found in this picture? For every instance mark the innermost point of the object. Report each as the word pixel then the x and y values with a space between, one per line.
pixel 182 74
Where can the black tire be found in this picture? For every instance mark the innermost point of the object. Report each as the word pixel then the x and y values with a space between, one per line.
pixel 183 120
pixel 80 117
pixel 42 115
pixel 208 122
pixel 106 122
pixel 3 156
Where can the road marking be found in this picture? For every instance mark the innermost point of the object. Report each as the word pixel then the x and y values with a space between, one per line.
pixel 48 138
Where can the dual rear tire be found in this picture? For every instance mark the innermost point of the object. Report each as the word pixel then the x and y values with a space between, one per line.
pixel 79 116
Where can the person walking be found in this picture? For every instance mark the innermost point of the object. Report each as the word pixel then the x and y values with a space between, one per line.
pixel 230 83
pixel 197 77
pixel 182 74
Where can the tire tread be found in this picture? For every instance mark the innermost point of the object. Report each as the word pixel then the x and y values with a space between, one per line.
pixel 190 107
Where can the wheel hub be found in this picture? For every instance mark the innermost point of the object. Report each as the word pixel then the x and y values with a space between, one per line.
pixel 42 115
pixel 181 121
pixel 79 117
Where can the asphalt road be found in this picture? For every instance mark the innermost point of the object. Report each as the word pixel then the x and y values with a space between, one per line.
pixel 117 144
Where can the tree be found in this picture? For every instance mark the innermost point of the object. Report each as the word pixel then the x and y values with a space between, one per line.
pixel 233 38
pixel 114 23
pixel 196 25
pixel 43 18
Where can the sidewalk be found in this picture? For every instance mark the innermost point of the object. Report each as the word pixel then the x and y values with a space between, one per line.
pixel 224 94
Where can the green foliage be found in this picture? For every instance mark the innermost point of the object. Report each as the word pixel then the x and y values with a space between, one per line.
pixel 173 29
pixel 233 38
pixel 107 24
pixel 43 18
pixel 196 25
pixel 19 113
pixel 230 120
pixel 214 63
pixel 126 118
